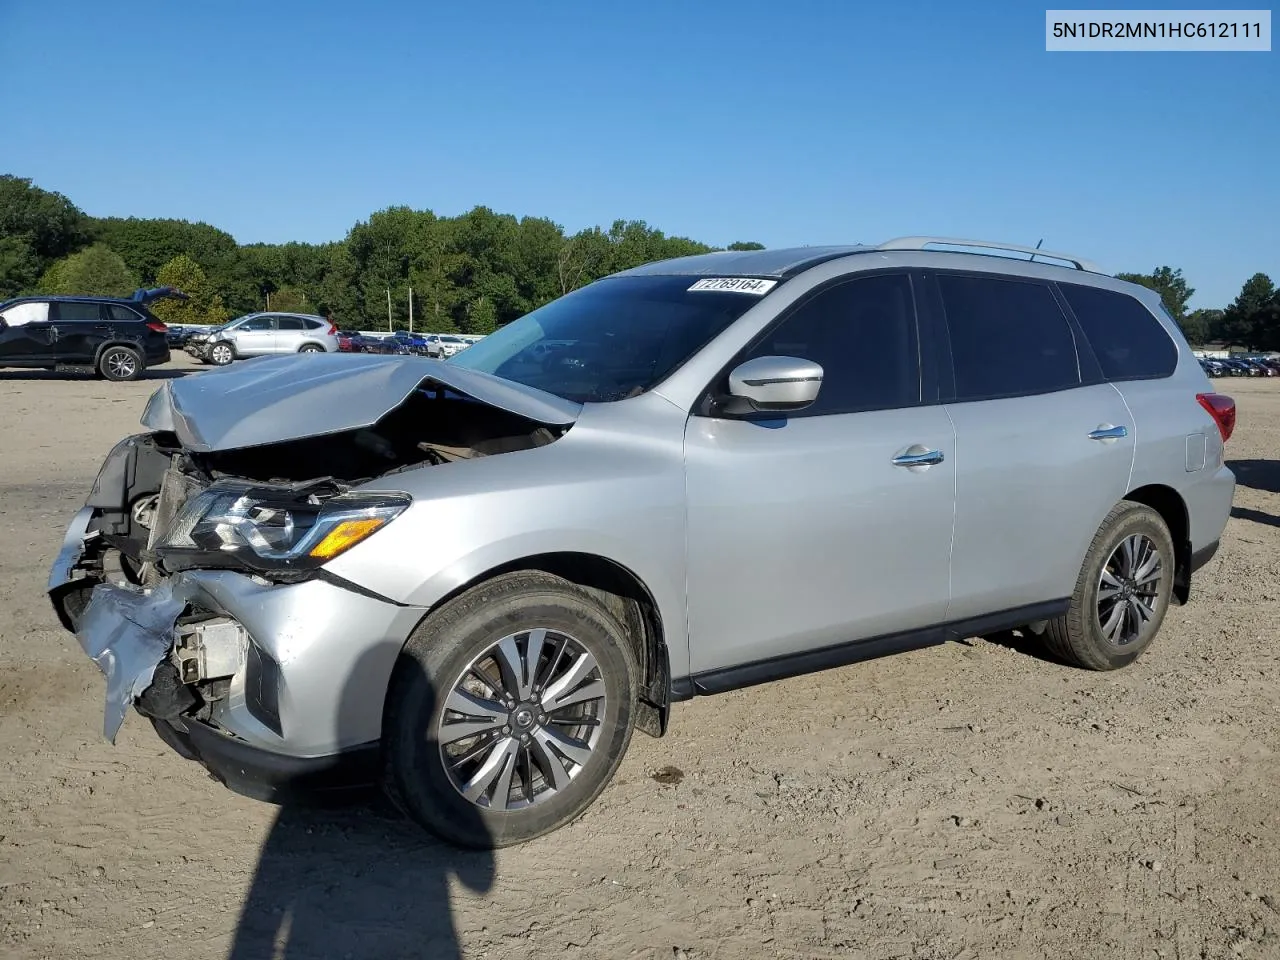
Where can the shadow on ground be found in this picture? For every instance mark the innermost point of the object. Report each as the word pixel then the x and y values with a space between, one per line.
pixel 1026 643
pixel 1257 516
pixel 359 882
pixel 155 373
pixel 1261 475
pixel 363 882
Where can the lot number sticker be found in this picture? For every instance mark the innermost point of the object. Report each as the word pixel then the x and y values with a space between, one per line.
pixel 736 284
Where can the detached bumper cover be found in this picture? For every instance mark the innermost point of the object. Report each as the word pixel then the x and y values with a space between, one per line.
pixel 127 632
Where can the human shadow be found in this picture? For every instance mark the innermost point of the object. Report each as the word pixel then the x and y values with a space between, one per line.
pixel 1261 475
pixel 345 876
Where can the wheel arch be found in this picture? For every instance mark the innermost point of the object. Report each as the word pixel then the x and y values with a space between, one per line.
pixel 626 595
pixel 1167 502
pixel 133 345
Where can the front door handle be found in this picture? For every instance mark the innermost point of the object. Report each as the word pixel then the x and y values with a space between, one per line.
pixel 1108 433
pixel 924 458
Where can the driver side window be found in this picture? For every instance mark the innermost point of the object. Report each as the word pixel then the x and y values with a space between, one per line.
pixel 862 332
pixel 258 324
pixel 24 313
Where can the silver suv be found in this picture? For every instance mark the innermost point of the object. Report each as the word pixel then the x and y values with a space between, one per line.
pixel 264 334
pixel 471 580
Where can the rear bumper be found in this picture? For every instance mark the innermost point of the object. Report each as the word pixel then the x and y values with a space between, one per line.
pixel 271 777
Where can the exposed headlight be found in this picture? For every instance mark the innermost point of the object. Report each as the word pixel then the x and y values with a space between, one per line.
pixel 270 528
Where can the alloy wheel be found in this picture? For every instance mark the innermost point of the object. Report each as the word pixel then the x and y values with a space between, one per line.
pixel 1129 590
pixel 523 720
pixel 121 364
pixel 221 353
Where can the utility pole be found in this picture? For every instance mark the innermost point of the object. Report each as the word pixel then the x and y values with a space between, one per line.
pixel 411 310
pixel 388 309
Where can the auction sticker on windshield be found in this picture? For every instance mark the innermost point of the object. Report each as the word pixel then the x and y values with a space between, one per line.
pixel 736 284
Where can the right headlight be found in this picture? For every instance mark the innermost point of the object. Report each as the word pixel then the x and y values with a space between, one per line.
pixel 265 528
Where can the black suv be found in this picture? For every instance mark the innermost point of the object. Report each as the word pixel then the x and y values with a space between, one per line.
pixel 118 337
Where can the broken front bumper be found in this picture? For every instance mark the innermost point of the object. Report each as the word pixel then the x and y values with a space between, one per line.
pixel 301 669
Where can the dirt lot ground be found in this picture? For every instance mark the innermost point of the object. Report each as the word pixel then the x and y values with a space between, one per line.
pixel 969 801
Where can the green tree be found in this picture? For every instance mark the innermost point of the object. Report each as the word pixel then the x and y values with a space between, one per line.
pixel 203 304
pixel 37 227
pixel 482 317
pixel 147 245
pixel 1170 284
pixel 1247 321
pixel 96 270
pixel 289 299
pixel 1203 326
pixel 746 245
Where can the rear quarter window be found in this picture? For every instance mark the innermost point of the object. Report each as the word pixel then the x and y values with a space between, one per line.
pixel 1126 337
pixel 122 313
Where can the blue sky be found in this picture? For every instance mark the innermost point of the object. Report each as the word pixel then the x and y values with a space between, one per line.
pixel 799 122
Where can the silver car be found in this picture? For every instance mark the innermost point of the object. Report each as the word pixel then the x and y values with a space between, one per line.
pixel 264 334
pixel 472 580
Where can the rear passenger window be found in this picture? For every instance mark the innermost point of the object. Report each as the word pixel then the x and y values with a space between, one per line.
pixel 290 323
pixel 1127 339
pixel 1008 338
pixel 863 334
pixel 73 312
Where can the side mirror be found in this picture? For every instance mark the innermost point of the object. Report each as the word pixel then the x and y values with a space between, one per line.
pixel 776 384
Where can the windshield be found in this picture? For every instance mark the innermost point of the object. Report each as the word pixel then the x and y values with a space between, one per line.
pixel 613 339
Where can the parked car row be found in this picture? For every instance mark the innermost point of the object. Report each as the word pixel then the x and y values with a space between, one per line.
pixel 1241 366
pixel 403 342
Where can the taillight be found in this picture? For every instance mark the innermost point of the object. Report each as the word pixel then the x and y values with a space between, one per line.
pixel 1223 410
pixel 157 326
pixel 333 329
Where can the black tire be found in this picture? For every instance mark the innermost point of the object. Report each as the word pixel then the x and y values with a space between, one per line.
pixel 434 660
pixel 119 364
pixel 310 348
pixel 1078 637
pixel 220 357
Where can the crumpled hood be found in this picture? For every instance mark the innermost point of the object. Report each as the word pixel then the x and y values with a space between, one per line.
pixel 275 399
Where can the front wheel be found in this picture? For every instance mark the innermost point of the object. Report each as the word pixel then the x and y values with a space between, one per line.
pixel 221 354
pixel 1122 592
pixel 509 711
pixel 119 364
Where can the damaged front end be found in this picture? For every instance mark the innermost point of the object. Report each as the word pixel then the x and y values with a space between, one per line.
pixel 194 576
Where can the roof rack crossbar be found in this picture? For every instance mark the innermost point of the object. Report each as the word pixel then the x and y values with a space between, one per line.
pixel 920 243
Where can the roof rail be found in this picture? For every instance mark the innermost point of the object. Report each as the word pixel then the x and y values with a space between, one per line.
pixel 920 243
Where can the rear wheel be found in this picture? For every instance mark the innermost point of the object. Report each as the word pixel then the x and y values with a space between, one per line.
pixel 310 348
pixel 1122 593
pixel 509 711
pixel 221 354
pixel 120 363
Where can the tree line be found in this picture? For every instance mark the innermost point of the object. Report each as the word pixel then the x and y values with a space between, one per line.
pixel 470 273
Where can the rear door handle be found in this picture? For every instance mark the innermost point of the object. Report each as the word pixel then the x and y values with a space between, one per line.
pixel 1109 433
pixel 926 458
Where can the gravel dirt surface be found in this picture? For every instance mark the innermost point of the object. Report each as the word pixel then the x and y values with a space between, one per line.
pixel 969 801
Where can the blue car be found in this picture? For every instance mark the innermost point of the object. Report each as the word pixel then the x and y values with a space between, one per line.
pixel 412 342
